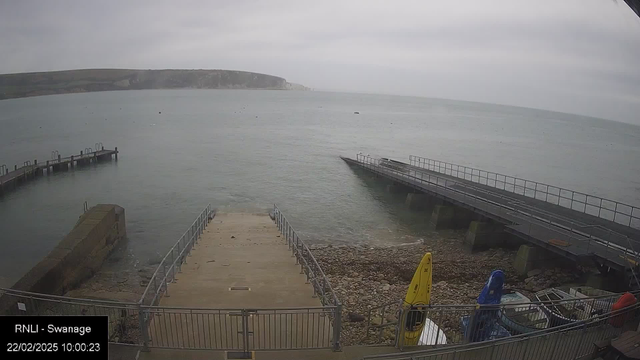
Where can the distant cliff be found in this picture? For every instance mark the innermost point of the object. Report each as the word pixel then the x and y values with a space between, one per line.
pixel 75 81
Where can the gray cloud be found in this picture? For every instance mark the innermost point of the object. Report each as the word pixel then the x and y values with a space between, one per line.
pixel 576 56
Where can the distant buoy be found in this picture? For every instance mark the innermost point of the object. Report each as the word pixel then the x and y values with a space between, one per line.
pixel 356 112
pixel 159 112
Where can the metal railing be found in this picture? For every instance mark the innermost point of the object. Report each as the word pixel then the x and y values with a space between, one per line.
pixel 172 262
pixel 570 341
pixel 310 267
pixel 306 260
pixel 611 210
pixel 460 324
pixel 378 319
pixel 56 159
pixel 240 329
pixel 272 329
pixel 124 318
pixel 609 244
pixel 150 326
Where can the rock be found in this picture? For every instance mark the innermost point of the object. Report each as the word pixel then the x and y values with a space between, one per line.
pixel 378 275
pixel 353 317
pixel 389 334
pixel 233 237
pixel 529 286
pixel 406 275
pixel 115 258
pixel 534 272
pixel 154 260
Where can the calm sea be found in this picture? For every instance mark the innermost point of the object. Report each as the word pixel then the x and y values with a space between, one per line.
pixel 245 150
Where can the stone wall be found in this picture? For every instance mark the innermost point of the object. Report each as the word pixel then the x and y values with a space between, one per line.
pixel 78 256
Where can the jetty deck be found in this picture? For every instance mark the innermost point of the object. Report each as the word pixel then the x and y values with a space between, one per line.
pixel 243 268
pixel 564 230
pixel 10 179
pixel 241 261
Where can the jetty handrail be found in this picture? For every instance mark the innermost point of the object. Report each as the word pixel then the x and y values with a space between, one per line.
pixel 387 315
pixel 530 188
pixel 174 259
pixel 314 273
pixel 573 229
pixel 610 324
pixel 63 299
pixel 306 260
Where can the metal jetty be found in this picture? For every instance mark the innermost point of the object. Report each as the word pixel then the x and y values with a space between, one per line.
pixel 10 179
pixel 575 225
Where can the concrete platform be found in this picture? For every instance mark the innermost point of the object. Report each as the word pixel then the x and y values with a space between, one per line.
pixel 236 251
pixel 240 282
pixel 536 221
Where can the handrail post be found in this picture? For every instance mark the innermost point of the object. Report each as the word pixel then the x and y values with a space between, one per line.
pixel 155 285
pixel 402 321
pixel 142 322
pixel 337 327
pixel 164 281
pixel 173 262
pixel 179 251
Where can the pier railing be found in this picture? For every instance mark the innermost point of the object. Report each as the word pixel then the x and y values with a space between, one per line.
pixel 291 328
pixel 304 257
pixel 450 324
pixel 615 245
pixel 615 211
pixel 29 169
pixel 242 330
pixel 314 273
pixel 124 317
pixel 172 262
pixel 571 341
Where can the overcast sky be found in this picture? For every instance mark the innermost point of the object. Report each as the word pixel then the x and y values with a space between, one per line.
pixel 577 56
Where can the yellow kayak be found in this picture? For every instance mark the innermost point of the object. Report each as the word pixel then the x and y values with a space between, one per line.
pixel 418 295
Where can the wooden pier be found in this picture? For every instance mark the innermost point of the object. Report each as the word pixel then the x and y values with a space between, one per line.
pixel 10 179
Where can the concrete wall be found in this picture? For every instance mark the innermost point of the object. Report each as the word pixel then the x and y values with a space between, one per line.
pixel 79 255
pixel 483 235
pixel 531 257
